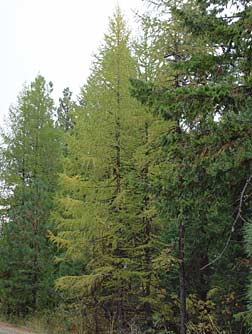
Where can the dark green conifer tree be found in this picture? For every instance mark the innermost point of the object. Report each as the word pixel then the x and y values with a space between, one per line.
pixel 208 156
pixel 30 155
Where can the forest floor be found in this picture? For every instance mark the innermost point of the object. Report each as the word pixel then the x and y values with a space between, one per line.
pixel 11 329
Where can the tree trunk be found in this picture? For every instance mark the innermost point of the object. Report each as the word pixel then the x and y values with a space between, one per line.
pixel 182 287
pixel 118 174
pixel 35 286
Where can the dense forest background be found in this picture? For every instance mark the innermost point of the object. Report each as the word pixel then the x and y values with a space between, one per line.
pixel 128 209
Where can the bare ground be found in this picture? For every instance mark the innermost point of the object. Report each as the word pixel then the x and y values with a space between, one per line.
pixel 11 329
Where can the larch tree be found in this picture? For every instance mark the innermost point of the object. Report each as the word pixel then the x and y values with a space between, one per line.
pixel 104 214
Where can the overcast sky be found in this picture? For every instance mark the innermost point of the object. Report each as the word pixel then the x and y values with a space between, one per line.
pixel 55 38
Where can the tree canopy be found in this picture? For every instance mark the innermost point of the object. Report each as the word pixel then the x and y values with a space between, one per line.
pixel 128 210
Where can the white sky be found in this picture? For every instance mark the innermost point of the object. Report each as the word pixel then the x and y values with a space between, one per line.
pixel 55 38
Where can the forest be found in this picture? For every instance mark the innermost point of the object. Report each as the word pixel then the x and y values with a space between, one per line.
pixel 128 209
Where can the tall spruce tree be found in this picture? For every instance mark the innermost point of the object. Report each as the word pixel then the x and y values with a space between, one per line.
pixel 170 44
pixel 208 160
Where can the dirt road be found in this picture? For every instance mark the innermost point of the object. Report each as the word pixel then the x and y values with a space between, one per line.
pixel 10 329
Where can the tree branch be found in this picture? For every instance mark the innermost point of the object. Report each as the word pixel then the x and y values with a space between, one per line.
pixel 238 216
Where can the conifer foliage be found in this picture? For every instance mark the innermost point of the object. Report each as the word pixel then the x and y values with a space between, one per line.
pixel 129 210
pixel 207 175
pixel 103 202
pixel 30 163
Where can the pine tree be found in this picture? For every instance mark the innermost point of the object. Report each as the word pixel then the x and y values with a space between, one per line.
pixel 30 161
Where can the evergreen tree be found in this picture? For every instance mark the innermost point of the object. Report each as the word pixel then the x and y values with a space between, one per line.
pixel 152 206
pixel 65 110
pixel 205 159
pixel 30 153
